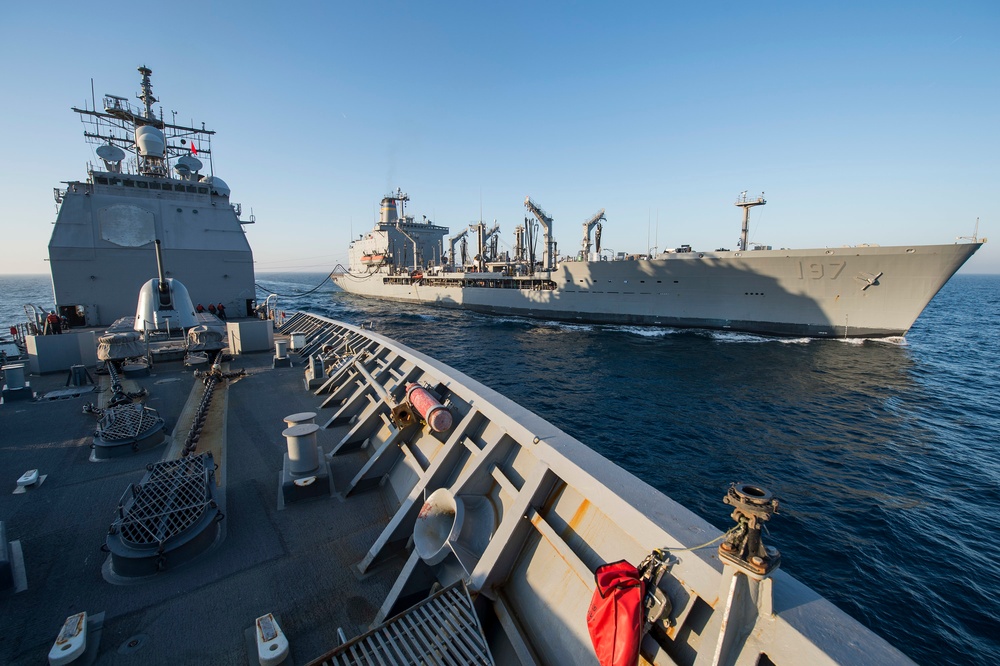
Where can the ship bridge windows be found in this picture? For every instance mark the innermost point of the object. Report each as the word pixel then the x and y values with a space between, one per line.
pixel 141 184
pixel 154 186
pixel 129 183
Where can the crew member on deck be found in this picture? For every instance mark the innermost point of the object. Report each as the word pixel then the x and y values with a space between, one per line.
pixel 54 323
pixel 211 308
pixel 222 311
pixel 199 308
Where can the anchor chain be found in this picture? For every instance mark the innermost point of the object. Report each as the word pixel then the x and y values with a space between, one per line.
pixel 210 378
pixel 119 396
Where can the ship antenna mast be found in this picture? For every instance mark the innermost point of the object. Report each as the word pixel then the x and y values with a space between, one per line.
pixel 746 204
pixel 147 92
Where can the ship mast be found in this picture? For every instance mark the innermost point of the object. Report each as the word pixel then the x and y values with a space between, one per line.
pixel 746 204
pixel 147 92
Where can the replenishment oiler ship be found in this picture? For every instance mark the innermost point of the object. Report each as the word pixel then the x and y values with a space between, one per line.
pixel 863 291
pixel 152 187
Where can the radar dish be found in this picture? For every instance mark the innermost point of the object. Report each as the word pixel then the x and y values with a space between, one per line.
pixel 182 169
pixel 110 153
pixel 188 162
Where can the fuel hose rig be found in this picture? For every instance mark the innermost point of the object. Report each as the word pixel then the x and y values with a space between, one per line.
pixel 210 378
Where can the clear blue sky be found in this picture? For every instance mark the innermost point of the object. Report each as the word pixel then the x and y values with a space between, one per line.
pixel 862 122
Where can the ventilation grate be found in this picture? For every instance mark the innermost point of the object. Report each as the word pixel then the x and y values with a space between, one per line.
pixel 127 422
pixel 170 499
pixel 443 629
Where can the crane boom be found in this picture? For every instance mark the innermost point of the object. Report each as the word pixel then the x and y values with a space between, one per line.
pixel 593 221
pixel 451 244
pixel 543 218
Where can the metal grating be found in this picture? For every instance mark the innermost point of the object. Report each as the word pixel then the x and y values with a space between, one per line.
pixel 171 498
pixel 128 421
pixel 443 629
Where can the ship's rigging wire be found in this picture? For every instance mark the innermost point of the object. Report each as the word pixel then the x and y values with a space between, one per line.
pixel 305 293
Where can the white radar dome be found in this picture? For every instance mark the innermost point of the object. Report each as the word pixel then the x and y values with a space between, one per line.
pixel 216 185
pixel 150 141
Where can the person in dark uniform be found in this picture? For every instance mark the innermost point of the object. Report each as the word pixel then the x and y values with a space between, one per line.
pixel 199 308
pixel 221 310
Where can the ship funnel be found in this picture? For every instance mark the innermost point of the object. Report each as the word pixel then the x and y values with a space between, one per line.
pixel 388 214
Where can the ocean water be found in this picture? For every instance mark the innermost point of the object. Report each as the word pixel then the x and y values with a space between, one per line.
pixel 884 453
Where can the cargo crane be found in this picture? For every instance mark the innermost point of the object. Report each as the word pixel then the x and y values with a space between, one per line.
pixel 417 260
pixel 451 247
pixel 548 256
pixel 484 239
pixel 520 253
pixel 595 220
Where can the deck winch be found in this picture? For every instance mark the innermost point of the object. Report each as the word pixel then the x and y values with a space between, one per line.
pixel 752 507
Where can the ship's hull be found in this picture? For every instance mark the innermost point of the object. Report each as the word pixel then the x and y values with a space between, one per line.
pixel 837 292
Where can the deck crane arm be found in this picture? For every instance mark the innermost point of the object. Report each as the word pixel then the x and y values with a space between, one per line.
pixel 594 220
pixel 546 222
pixel 416 259
pixel 451 244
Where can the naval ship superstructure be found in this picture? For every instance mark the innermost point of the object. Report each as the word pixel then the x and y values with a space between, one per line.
pixel 152 186
pixel 864 291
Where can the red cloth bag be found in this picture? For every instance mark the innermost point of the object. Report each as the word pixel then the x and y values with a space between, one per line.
pixel 615 615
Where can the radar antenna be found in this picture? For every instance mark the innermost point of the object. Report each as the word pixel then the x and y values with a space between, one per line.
pixel 147 92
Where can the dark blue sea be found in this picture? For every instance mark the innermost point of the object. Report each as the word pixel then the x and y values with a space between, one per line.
pixel 884 454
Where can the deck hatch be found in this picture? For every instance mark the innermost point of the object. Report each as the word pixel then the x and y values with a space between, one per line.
pixel 167 519
pixel 127 422
pixel 171 498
